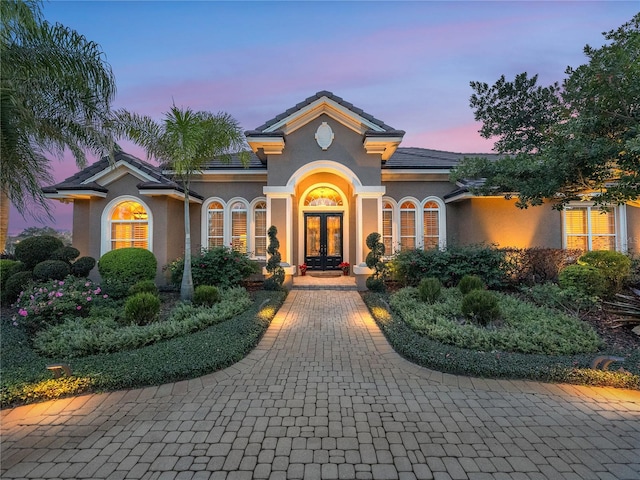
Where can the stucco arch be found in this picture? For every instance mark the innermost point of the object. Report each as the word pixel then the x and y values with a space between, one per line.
pixel 324 166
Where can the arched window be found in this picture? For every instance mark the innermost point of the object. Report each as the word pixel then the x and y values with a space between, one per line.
pixel 215 222
pixel 129 225
pixel 323 197
pixel 431 225
pixel 407 225
pixel 387 228
pixel 239 227
pixel 260 230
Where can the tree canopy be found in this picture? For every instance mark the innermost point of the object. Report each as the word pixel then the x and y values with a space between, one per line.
pixel 564 142
pixel 55 94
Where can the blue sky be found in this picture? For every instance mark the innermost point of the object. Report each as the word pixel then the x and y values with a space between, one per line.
pixel 407 63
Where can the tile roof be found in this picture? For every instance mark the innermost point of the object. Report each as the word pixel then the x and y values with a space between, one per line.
pixel 317 96
pixel 416 158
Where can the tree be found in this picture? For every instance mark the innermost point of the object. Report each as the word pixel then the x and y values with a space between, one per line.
pixel 55 94
pixel 185 140
pixel 579 140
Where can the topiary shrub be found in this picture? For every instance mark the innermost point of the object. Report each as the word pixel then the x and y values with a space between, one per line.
pixel 66 254
pixel 481 306
pixel 206 295
pixel 584 278
pixel 375 284
pixel 275 281
pixel 83 266
pixel 51 270
pixel 615 266
pixel 469 283
pixel 375 261
pixel 429 290
pixel 33 250
pixel 144 286
pixel 128 265
pixel 8 268
pixel 15 284
pixel 142 308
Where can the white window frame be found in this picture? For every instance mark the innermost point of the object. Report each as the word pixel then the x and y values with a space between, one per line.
pixel 205 221
pixel 442 222
pixel 229 224
pixel 416 221
pixel 620 226
pixel 394 226
pixel 105 222
pixel 252 228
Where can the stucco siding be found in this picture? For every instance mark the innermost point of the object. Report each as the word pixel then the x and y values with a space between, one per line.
pixel 418 190
pixel 499 221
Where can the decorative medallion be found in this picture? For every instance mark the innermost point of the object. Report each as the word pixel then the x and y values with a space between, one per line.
pixel 324 136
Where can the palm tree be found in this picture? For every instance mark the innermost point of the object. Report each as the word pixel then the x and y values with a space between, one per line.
pixel 55 94
pixel 184 141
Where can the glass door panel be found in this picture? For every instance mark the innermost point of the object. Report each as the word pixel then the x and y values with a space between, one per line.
pixel 323 241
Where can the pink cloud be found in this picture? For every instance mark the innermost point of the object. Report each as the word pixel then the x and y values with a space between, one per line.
pixel 461 139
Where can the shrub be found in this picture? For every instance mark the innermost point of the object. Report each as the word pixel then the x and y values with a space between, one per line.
pixel 146 286
pixel 8 268
pixel 66 254
pixel 375 284
pixel 206 295
pixel 15 284
pixel 375 257
pixel 586 279
pixel 33 250
pixel 129 265
pixel 51 270
pixel 429 289
pixel 142 308
pixel 481 306
pixel 219 266
pixel 83 266
pixel 117 289
pixel 536 265
pixel 569 300
pixel 615 266
pixel 48 303
pixel 450 265
pixel 469 283
pixel 276 279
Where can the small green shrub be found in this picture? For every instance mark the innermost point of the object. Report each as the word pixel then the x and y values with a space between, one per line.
pixel 15 284
pixel 144 286
pixel 83 266
pixel 33 250
pixel 117 289
pixel 569 300
pixel 8 268
pixel 375 284
pixel 128 264
pixel 206 295
pixel 429 290
pixel 66 254
pixel 536 265
pixel 469 283
pixel 480 306
pixel 219 266
pixel 584 278
pixel 142 308
pixel 51 270
pixel 276 278
pixel 615 266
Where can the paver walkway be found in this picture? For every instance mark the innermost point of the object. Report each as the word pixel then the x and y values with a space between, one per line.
pixel 324 396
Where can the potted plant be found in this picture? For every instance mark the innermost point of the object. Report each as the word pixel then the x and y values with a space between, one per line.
pixel 345 267
pixel 303 269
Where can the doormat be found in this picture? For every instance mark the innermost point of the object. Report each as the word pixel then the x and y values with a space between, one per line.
pixel 325 274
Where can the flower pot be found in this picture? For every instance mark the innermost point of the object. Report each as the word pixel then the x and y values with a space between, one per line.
pixel 345 272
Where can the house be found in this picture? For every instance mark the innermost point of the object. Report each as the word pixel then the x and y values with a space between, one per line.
pixel 326 174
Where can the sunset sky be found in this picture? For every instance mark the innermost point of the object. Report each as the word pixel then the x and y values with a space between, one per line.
pixel 407 63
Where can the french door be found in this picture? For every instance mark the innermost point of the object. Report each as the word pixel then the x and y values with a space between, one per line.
pixel 323 240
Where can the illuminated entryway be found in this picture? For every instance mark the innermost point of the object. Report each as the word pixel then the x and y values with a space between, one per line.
pixel 323 240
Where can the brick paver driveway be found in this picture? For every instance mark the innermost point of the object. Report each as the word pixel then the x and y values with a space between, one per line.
pixel 324 396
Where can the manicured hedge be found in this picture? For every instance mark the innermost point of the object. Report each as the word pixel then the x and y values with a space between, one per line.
pixel 423 351
pixel 24 378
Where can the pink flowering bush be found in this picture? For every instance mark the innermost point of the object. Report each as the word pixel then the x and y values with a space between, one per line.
pixel 49 303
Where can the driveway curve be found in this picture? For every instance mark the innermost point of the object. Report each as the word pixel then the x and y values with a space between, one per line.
pixel 324 396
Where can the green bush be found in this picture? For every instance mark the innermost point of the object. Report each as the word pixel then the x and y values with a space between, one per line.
pixel 569 300
pixel 128 265
pixel 144 286
pixel 429 290
pixel 142 308
pixel 51 270
pixel 8 268
pixel 206 295
pixel 375 284
pixel 273 267
pixel 536 265
pixel 615 266
pixel 450 265
pixel 33 250
pixel 586 279
pixel 66 254
pixel 83 266
pixel 481 306
pixel 15 284
pixel 469 283
pixel 218 266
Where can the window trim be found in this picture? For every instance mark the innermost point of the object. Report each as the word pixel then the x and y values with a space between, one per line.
pixel 205 221
pixel 619 213
pixel 252 228
pixel 416 221
pixel 442 221
pixel 105 222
